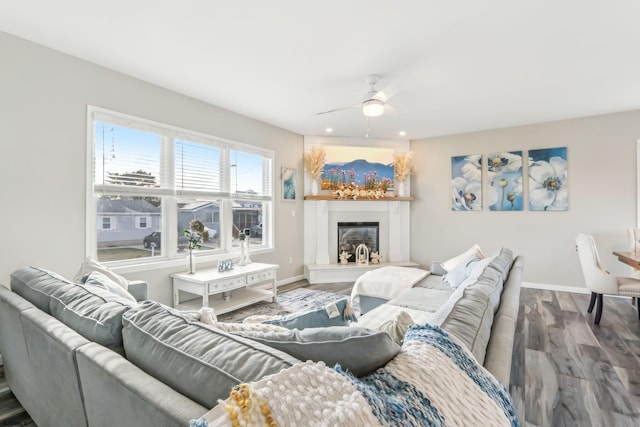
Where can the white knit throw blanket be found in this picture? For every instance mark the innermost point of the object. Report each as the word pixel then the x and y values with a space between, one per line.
pixel 433 381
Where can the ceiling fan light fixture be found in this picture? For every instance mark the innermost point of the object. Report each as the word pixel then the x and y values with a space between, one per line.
pixel 372 107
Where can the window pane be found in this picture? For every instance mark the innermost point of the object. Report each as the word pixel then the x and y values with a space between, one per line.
pixel 126 156
pixel 197 166
pixel 247 174
pixel 119 236
pixel 208 212
pixel 247 214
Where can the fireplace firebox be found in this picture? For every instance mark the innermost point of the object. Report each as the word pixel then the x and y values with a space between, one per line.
pixel 352 234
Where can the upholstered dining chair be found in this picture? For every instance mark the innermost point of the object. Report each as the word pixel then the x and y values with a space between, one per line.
pixel 598 280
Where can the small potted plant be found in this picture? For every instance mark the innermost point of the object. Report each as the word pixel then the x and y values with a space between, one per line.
pixel 196 234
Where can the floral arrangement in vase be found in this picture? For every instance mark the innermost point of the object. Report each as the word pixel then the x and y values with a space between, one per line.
pixel 402 164
pixel 314 163
pixel 353 191
pixel 196 234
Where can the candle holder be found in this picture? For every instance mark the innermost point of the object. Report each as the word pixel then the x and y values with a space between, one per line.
pixel 362 254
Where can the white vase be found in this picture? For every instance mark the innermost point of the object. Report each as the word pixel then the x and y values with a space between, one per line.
pixel 244 252
pixel 314 187
pixel 400 189
pixel 191 263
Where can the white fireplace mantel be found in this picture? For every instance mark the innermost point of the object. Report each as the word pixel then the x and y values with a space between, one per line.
pixel 321 219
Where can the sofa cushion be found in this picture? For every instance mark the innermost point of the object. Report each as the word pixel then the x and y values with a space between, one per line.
pixel 196 360
pixel 358 350
pixel 331 315
pixel 468 314
pixel 502 262
pixel 422 299
pixel 36 285
pixel 93 312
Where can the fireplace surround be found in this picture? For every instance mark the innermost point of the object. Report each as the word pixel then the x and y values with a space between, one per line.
pixel 321 252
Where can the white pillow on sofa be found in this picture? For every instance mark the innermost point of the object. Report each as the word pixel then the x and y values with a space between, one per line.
pixel 100 280
pixel 452 263
pixel 461 271
pixel 90 265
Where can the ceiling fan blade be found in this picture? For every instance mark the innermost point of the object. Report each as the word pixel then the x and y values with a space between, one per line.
pixel 338 109
pixel 389 91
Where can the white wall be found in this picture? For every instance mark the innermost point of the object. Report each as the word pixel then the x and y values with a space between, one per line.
pixel 43 100
pixel 602 197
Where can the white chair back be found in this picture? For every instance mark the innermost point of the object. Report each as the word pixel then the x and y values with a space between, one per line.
pixel 633 237
pixel 596 277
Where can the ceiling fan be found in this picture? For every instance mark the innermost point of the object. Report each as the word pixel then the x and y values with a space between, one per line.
pixel 375 100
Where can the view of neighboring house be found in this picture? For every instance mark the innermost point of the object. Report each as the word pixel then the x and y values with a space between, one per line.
pixel 125 221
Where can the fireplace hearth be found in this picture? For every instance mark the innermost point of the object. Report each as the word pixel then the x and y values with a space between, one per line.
pixel 352 234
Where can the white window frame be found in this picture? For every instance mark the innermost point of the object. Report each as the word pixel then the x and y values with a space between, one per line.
pixel 170 256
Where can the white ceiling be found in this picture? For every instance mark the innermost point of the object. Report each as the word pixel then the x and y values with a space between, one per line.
pixel 460 65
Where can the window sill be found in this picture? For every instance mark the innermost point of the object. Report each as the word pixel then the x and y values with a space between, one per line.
pixel 180 263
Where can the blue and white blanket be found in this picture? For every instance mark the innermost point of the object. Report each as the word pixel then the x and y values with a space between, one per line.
pixel 433 381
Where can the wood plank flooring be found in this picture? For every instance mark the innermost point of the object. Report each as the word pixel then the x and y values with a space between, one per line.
pixel 565 370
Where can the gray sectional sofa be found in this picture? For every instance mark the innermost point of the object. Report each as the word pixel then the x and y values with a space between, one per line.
pixel 482 315
pixel 77 356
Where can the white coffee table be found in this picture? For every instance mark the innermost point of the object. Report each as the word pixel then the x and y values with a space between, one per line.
pixel 246 285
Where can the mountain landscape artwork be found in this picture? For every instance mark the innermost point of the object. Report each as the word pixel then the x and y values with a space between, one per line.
pixel 357 165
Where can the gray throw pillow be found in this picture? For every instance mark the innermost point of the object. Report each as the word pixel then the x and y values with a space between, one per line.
pixel 318 318
pixel 358 350
pixel 193 358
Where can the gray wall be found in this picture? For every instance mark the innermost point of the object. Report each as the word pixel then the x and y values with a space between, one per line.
pixel 602 197
pixel 43 100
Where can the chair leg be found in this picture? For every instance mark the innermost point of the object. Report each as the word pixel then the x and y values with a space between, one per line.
pixel 639 310
pixel 592 302
pixel 599 310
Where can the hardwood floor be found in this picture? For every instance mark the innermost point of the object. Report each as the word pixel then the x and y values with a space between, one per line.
pixel 566 371
pixel 11 413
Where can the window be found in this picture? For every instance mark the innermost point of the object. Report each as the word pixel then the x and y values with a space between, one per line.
pixel 152 180
pixel 143 222
pixel 106 223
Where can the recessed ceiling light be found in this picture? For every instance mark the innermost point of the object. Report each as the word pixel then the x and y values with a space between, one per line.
pixel 402 133
pixel 328 130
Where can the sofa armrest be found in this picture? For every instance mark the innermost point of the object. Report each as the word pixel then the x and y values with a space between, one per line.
pixel 138 288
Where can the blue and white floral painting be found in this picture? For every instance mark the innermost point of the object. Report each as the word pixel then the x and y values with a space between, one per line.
pixel 504 173
pixel 548 189
pixel 466 183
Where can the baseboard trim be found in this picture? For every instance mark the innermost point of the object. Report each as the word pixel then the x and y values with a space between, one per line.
pixel 290 280
pixel 559 288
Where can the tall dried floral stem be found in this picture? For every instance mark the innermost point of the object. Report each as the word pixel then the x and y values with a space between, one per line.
pixel 402 164
pixel 314 161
